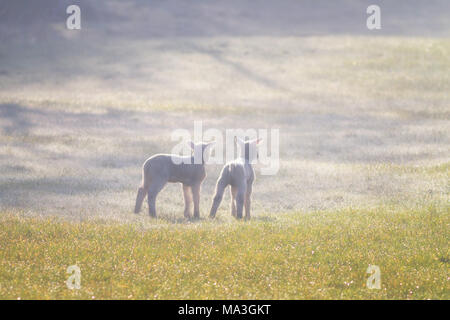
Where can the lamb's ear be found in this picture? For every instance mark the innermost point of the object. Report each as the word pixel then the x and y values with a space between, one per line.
pixel 191 144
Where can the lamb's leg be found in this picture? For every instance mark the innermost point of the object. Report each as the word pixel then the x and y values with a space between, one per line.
pixel 187 200
pixel 233 193
pixel 247 201
pixel 241 190
pixel 196 196
pixel 142 192
pixel 155 187
pixel 220 188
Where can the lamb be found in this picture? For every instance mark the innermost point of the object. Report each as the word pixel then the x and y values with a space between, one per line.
pixel 160 169
pixel 239 174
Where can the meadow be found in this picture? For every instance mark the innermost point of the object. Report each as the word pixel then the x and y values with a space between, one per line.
pixel 364 123
pixel 319 255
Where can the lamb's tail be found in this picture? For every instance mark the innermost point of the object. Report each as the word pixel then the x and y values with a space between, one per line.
pixel 142 192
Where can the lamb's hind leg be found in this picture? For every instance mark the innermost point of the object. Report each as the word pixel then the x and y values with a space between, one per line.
pixel 155 187
pixel 247 201
pixel 240 198
pixel 220 188
pixel 233 193
pixel 196 198
pixel 142 192
pixel 187 200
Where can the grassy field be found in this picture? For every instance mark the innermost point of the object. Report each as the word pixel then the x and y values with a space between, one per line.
pixel 322 255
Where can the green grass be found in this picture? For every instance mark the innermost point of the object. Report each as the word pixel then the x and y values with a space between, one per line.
pixel 322 255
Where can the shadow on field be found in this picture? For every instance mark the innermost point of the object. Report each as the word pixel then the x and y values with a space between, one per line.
pixel 16 118
pixel 19 119
pixel 240 68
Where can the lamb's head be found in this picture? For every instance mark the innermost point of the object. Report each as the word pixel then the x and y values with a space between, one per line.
pixel 248 149
pixel 201 151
